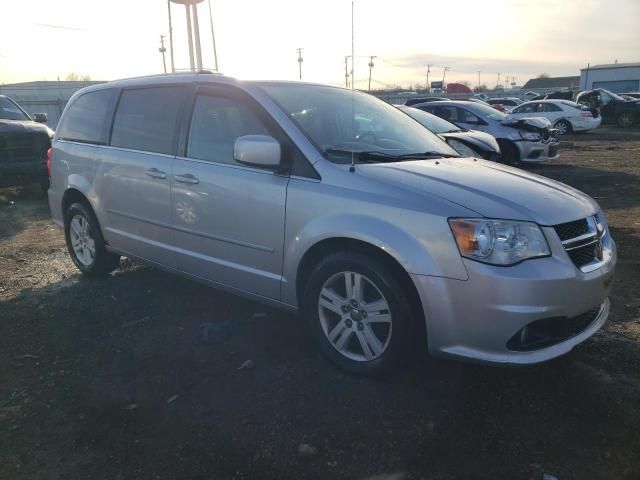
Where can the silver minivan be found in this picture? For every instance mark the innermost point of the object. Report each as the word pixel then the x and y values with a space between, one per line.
pixel 334 204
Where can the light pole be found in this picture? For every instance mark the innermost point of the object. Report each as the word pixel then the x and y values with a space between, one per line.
pixel 427 85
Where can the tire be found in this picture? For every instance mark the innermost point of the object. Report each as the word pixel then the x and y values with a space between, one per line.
pixel 510 153
pixel 342 327
pixel 85 242
pixel 563 127
pixel 626 119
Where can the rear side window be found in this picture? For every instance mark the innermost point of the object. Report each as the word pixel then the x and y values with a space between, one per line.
pixel 147 118
pixel 88 118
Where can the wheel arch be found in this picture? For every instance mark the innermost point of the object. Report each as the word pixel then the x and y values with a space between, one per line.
pixel 328 246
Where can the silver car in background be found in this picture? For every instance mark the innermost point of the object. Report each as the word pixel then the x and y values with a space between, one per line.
pixel 334 204
pixel 521 140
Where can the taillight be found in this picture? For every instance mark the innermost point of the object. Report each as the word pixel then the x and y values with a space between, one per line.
pixel 48 161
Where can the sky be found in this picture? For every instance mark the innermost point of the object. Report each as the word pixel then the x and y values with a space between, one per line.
pixel 256 39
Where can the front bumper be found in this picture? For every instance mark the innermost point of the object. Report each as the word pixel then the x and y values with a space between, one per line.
pixel 477 318
pixel 537 151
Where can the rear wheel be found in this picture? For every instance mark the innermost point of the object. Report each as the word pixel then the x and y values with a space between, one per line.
pixel 510 153
pixel 626 119
pixel 563 127
pixel 358 313
pixel 85 243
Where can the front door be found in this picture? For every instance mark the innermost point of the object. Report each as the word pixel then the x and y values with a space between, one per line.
pixel 228 218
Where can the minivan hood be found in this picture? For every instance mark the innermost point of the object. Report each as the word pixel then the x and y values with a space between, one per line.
pixel 490 189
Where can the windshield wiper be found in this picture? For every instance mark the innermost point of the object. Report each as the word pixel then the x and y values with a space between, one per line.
pixel 373 156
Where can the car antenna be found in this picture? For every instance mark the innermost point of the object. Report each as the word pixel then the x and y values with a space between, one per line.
pixel 352 168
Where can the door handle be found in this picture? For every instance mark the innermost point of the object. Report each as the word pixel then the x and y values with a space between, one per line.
pixel 155 173
pixel 186 178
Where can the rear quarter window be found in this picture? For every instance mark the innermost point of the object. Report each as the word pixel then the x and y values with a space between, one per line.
pixel 88 118
pixel 147 118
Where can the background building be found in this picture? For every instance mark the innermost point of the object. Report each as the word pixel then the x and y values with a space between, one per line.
pixel 48 97
pixel 617 77
pixel 553 83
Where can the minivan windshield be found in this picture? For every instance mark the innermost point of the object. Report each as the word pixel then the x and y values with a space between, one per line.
pixel 430 121
pixel 11 111
pixel 340 121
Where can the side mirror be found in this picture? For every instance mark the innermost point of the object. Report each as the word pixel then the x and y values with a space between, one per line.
pixel 40 117
pixel 258 150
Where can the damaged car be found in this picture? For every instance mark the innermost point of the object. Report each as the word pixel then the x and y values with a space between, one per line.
pixel 468 143
pixel 24 146
pixel 520 140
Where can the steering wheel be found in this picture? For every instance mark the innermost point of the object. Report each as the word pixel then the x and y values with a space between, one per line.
pixel 368 133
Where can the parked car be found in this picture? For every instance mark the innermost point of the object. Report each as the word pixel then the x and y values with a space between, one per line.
pixel 557 95
pixel 524 139
pixel 613 108
pixel 273 190
pixel 565 116
pixel 24 143
pixel 468 143
pixel 413 101
pixel 507 102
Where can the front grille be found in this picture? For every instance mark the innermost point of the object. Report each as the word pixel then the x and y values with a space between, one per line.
pixel 582 239
pixel 586 254
pixel 550 331
pixel 18 147
pixel 570 230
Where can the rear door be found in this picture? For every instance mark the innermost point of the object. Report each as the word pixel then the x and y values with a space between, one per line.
pixel 552 112
pixel 132 182
pixel 228 217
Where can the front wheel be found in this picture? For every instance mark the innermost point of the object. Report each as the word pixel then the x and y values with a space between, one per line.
pixel 563 127
pixel 509 152
pixel 626 119
pixel 358 313
pixel 85 243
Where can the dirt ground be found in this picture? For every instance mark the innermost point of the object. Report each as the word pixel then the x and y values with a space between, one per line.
pixel 112 379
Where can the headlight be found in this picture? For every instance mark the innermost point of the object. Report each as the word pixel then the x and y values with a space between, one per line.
pixel 601 224
pixel 462 148
pixel 498 242
pixel 531 136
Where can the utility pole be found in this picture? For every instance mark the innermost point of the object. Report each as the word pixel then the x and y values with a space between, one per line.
pixel 370 68
pixel 299 50
pixel 346 71
pixel 427 85
pixel 479 80
pixel 444 73
pixel 163 50
pixel 498 81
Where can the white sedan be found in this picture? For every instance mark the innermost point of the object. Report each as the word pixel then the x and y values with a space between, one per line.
pixel 564 115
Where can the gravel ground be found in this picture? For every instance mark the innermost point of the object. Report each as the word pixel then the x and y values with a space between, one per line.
pixel 112 379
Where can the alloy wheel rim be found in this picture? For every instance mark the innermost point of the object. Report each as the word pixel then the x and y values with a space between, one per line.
pixel 82 242
pixel 562 128
pixel 355 316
